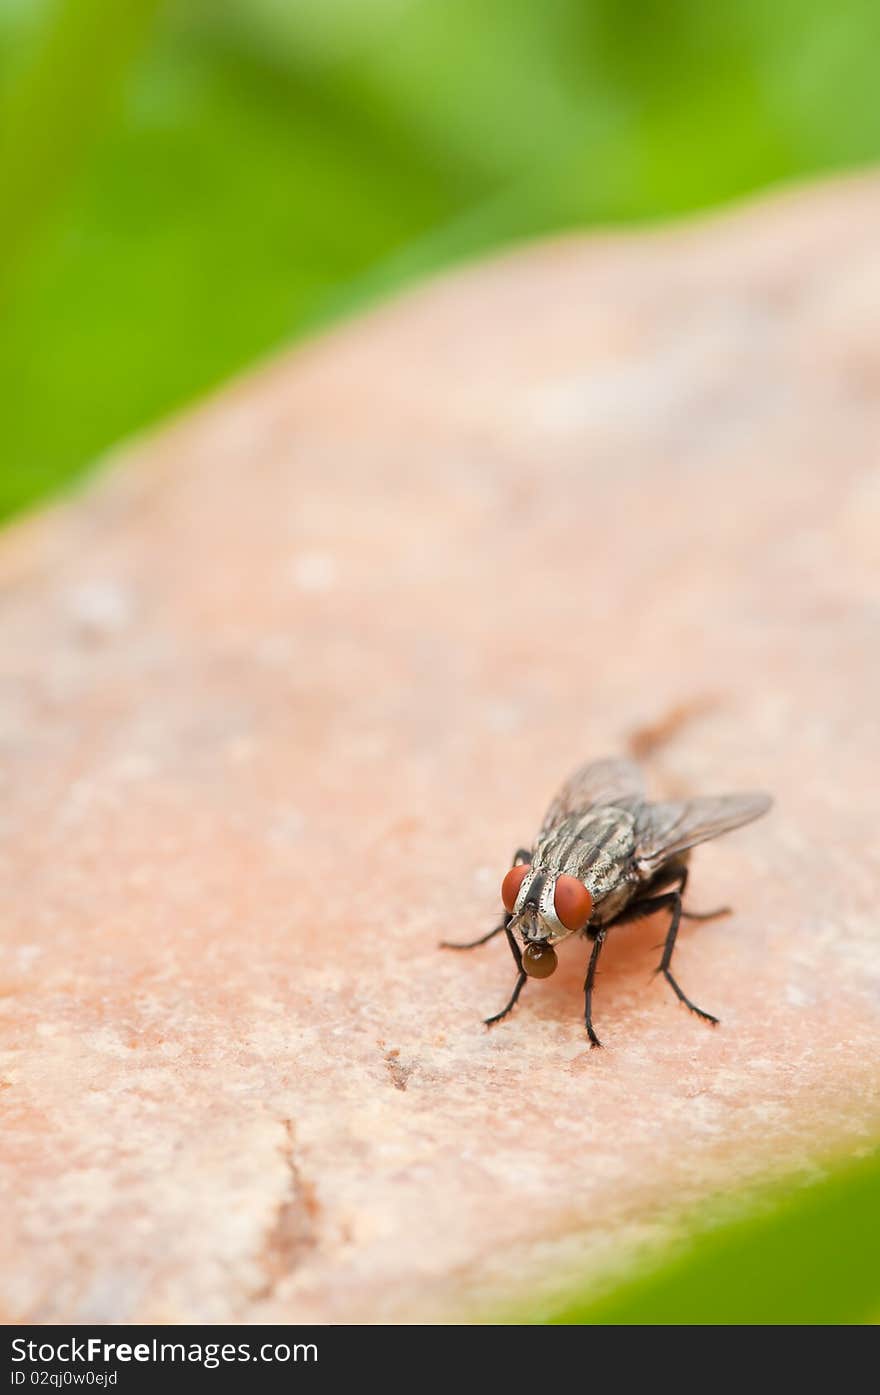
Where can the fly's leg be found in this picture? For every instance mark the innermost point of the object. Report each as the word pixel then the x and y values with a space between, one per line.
pixel 669 900
pixel 673 899
pixel 699 915
pixel 519 857
pixel 677 877
pixel 588 986
pixel 707 915
pixel 518 986
pixel 472 944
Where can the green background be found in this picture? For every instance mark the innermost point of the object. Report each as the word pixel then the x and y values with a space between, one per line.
pixel 184 186
pixel 794 1255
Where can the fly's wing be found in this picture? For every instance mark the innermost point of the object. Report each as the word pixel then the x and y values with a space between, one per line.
pixel 662 830
pixel 599 782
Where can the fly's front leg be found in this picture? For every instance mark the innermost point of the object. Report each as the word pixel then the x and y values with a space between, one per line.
pixel 518 986
pixel 472 944
pixel 669 900
pixel 588 986
pixel 519 857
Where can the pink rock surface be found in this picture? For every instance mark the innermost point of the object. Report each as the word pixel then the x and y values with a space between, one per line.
pixel 285 687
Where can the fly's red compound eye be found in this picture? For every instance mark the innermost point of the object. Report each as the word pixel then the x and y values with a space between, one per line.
pixel 573 903
pixel 511 885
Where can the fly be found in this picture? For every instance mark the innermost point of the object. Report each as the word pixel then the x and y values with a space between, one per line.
pixel 604 857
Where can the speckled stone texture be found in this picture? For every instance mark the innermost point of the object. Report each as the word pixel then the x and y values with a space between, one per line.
pixel 283 689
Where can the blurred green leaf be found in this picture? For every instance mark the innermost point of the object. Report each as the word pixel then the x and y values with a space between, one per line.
pixel 187 185
pixel 54 105
pixel 206 227
pixel 805 1258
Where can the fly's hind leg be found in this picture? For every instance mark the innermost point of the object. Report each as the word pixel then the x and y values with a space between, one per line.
pixel 698 915
pixel 517 987
pixel 519 857
pixel 673 899
pixel 669 900
pixel 707 915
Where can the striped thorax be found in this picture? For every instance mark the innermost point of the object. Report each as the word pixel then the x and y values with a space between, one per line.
pixel 596 849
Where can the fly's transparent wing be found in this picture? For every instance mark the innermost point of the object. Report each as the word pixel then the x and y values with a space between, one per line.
pixel 599 782
pixel 662 830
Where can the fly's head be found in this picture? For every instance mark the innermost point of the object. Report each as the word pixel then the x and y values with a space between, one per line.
pixel 546 907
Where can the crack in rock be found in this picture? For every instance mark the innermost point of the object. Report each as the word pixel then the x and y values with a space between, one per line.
pixel 645 741
pixel 293 1232
pixel 397 1069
